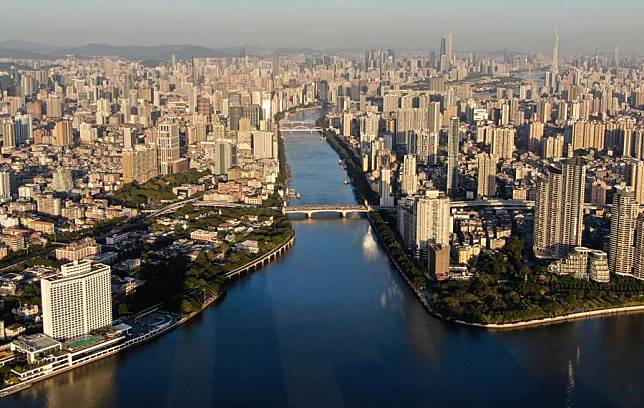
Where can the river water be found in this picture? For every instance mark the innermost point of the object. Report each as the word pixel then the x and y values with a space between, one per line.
pixel 332 324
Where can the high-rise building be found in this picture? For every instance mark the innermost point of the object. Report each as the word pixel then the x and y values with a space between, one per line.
pixel 23 129
pixel 446 52
pixel 386 198
pixel 544 111
pixel 553 147
pixel 369 125
pixel 453 141
pixel 347 119
pixel 432 220
pixel 251 112
pixel 427 147
pixel 434 118
pixel 638 253
pixel 140 163
pixel 54 107
pixel 48 204
pixel 5 185
pixel 586 135
pixel 262 144
pixel 129 137
pixel 438 260
pixel 502 145
pixel 168 147
pixel 559 215
pixel 616 56
pixel 63 133
pixel 486 186
pixel 224 156
pixel 635 179
pixel 8 134
pixel 76 300
pixel 535 137
pixel 554 66
pixel 89 134
pixel 405 221
pixel 409 176
pixel 622 231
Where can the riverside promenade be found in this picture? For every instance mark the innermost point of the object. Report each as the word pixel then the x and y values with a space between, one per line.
pixel 128 343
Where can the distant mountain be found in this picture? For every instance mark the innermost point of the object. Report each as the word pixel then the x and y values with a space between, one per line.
pixel 160 52
pixel 27 46
pixel 25 49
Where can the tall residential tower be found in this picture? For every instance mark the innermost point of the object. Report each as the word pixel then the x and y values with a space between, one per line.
pixel 559 214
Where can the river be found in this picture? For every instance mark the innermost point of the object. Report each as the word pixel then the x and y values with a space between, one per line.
pixel 332 324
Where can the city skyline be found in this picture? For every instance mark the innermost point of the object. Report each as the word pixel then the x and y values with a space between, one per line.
pixel 346 25
pixel 306 227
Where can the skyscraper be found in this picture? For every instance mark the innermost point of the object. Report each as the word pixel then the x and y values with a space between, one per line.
pixel 77 300
pixel 63 133
pixel 431 216
pixel 386 198
pixel 224 156
pixel 559 216
pixel 409 177
pixel 638 253
pixel 347 119
pixel 554 67
pixel 8 134
pixel 535 138
pixel 502 145
pixel 262 144
pixel 434 125
pixel 168 146
pixel 5 185
pixel 427 147
pixel 486 186
pixel 446 52
pixel 453 140
pixel 616 56
pixel 622 231
pixel 635 179
pixel 23 129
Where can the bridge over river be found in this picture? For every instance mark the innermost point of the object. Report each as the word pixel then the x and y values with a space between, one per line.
pixel 299 126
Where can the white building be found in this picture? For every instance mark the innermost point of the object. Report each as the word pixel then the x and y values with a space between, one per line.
pixel 432 219
pixel 168 147
pixel 76 300
pixel 583 263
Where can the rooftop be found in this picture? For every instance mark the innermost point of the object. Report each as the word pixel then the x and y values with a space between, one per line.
pixel 36 342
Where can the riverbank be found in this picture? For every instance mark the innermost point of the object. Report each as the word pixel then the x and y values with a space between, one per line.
pixel 417 283
pixel 130 343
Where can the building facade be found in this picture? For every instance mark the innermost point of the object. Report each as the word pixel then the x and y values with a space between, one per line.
pixel 76 300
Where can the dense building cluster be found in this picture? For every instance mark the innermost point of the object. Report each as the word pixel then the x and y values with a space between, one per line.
pixel 471 149
pixel 464 151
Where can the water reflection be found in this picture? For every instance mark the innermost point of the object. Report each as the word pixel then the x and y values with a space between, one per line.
pixel 369 245
pixel 332 324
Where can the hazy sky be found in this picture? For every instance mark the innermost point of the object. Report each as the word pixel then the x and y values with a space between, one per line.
pixel 584 25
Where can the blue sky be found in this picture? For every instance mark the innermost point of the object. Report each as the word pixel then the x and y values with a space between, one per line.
pixel 584 25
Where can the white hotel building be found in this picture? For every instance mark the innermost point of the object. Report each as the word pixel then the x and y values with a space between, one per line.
pixel 76 300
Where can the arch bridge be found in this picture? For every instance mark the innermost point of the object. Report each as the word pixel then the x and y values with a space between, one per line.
pixel 299 126
pixel 342 209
